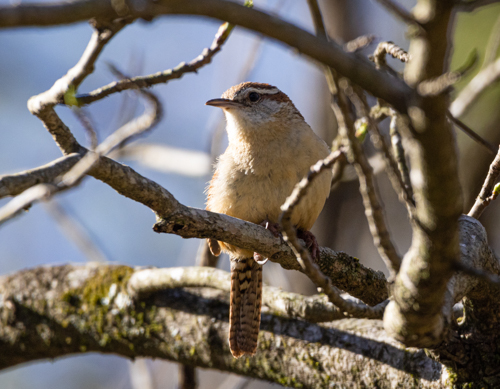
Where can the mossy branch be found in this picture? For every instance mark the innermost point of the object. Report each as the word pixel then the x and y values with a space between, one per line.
pixel 50 312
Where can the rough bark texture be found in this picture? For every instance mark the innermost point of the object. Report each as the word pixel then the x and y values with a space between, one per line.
pixel 50 312
pixel 415 315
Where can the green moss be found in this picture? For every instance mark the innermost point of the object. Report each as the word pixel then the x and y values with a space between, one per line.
pixel 97 288
pixel 452 377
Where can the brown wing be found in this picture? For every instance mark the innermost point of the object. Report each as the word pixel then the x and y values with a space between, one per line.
pixel 213 244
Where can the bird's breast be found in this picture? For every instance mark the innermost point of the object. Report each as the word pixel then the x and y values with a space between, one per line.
pixel 254 189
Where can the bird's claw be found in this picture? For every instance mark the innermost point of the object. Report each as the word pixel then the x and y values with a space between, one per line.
pixel 311 243
pixel 260 259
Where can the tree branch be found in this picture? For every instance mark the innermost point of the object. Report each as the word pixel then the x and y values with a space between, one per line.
pixel 485 196
pixel 310 268
pixel 65 88
pixel 12 185
pixel 373 208
pixel 350 65
pixel 415 315
pixel 315 309
pixel 399 11
pixel 57 311
pixel 161 77
pixel 146 121
pixel 470 6
pixel 478 85
pixel 492 149
pixel 50 312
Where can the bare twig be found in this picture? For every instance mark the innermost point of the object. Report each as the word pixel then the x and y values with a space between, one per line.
pixel 439 84
pixel 493 44
pixel 15 184
pixel 390 48
pixel 146 121
pixel 492 149
pixel 482 81
pixel 373 209
pixel 311 269
pixel 398 11
pixel 399 153
pixel 359 43
pixel 319 27
pixel 395 92
pixel 394 173
pixel 65 88
pixel 72 177
pixel 487 193
pixel 483 275
pixel 76 232
pixel 470 6
pixel 442 83
pixel 372 205
pixel 86 122
pixel 161 77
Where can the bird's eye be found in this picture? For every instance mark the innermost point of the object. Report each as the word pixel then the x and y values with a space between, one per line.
pixel 254 96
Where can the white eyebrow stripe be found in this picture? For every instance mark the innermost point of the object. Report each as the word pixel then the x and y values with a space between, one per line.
pixel 264 91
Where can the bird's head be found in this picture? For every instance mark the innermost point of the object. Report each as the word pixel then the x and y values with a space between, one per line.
pixel 253 107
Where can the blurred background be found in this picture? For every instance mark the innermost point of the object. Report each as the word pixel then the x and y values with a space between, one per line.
pixel 93 222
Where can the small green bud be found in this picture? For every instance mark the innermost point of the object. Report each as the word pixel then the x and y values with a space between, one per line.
pixel 496 190
pixel 361 129
pixel 70 97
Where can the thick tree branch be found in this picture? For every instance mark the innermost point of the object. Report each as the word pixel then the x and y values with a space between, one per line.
pixel 345 272
pixel 415 315
pixel 50 312
pixel 57 311
pixel 315 309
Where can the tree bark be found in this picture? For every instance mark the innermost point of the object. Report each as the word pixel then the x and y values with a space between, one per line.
pixel 49 312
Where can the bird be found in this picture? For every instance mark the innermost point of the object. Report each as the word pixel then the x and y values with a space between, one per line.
pixel 270 149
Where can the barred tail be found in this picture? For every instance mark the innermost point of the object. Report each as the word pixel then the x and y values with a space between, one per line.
pixel 245 306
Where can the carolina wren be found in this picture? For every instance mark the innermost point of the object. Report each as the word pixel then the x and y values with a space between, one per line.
pixel 271 148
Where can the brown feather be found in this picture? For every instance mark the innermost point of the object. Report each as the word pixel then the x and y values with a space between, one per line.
pixel 245 306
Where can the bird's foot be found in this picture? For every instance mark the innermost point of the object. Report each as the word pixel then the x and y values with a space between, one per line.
pixel 273 227
pixel 311 243
pixel 276 231
pixel 259 259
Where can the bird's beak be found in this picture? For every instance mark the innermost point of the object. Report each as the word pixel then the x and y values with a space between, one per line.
pixel 223 103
